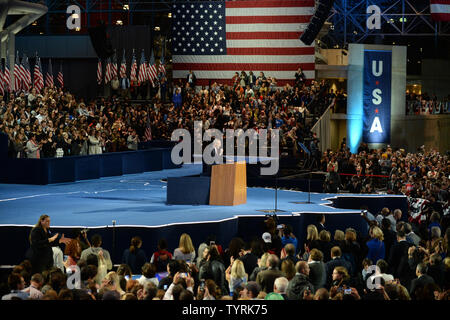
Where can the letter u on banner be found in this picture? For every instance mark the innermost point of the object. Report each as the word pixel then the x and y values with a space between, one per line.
pixel 377 96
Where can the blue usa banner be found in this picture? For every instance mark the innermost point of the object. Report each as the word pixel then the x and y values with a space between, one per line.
pixel 377 96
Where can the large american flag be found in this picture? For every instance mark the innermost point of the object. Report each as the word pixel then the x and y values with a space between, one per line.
pixel 38 81
pixel 49 76
pixel 215 39
pixel 440 10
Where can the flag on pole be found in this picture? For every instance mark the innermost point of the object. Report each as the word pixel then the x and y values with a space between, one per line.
pixel 99 71
pixel 60 77
pixel 26 73
pixel 7 75
pixel 108 72
pixel 152 73
pixel 2 86
pixel 114 72
pixel 17 74
pixel 38 80
pixel 148 129
pixel 49 76
pixel 440 10
pixel 133 68
pixel 123 67
pixel 142 69
pixel 162 66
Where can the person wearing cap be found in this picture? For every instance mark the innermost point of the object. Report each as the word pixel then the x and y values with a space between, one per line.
pixel 267 277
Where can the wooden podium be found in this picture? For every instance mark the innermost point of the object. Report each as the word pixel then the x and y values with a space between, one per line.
pixel 228 184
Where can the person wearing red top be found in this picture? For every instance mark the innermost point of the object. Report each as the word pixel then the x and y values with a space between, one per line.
pixel 161 257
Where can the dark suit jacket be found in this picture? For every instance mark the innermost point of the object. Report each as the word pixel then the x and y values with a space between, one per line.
pixel 317 275
pixel 398 260
pixel 267 278
pixel 333 263
pixel 420 282
pixel 250 261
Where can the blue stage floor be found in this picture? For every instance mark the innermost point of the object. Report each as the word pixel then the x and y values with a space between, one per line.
pixel 136 200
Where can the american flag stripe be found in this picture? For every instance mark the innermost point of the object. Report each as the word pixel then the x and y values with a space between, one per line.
pixel 440 10
pixel 99 72
pixel 219 38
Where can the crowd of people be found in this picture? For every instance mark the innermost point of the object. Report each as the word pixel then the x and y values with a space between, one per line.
pixel 55 123
pixel 425 104
pixel 398 260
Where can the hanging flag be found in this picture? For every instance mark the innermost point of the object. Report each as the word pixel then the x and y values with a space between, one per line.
pixel 49 76
pixel 440 10
pixel 114 72
pixel 152 73
pixel 38 80
pixel 26 74
pixel 259 36
pixel 99 71
pixel 123 67
pixel 60 77
pixel 142 69
pixel 108 72
pixel 17 74
pixel 7 75
pixel 133 68
pixel 162 66
pixel 2 85
pixel 148 129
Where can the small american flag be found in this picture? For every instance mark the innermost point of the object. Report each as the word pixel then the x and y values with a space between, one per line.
pixel 49 76
pixel 142 69
pixel 38 76
pixel 60 77
pixel 7 75
pixel 148 129
pixel 17 74
pixel 215 39
pixel 108 72
pixel 99 71
pixel 123 67
pixel 133 68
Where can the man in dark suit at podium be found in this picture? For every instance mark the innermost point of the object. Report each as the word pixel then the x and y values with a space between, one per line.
pixel 216 151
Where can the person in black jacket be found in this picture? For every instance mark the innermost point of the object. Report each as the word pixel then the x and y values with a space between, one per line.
pixel 398 259
pixel 42 242
pixel 135 257
pixel 213 268
pixel 421 281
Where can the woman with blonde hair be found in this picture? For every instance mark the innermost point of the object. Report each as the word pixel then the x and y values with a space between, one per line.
pixel 185 250
pixel 235 275
pixel 112 282
pixel 312 238
pixel 376 245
